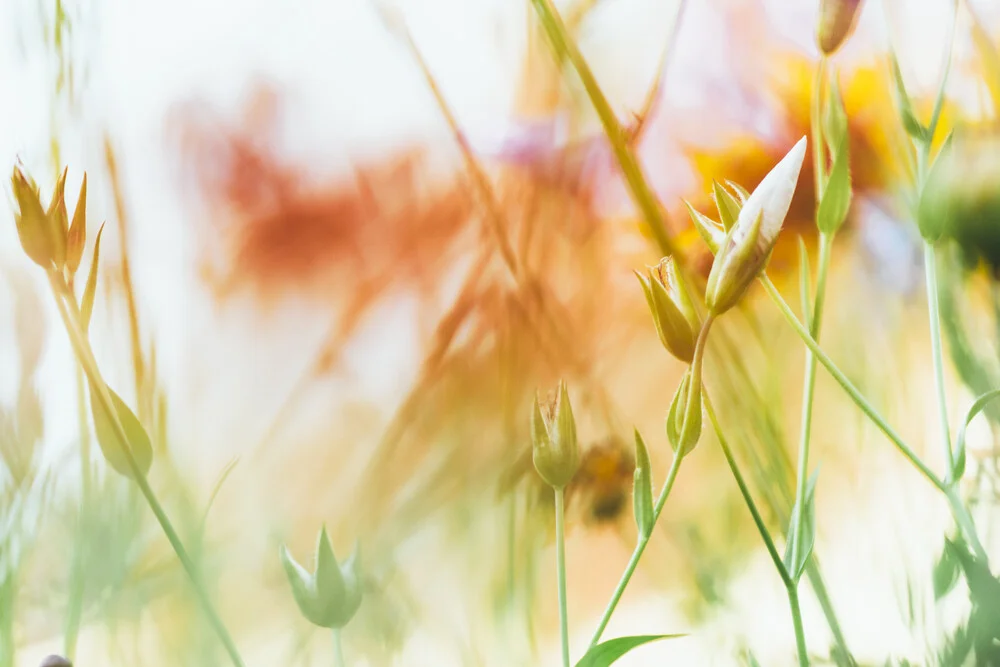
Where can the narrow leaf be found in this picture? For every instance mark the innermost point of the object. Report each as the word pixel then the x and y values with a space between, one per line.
pixel 911 124
pixel 976 408
pixel 642 490
pixel 945 574
pixel 135 435
pixel 836 201
pixel 796 568
pixel 729 208
pixel 90 290
pixel 607 653
pixel 834 117
pixel 77 230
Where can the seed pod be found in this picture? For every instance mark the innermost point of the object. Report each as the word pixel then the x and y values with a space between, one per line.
pixel 554 449
pixel 837 19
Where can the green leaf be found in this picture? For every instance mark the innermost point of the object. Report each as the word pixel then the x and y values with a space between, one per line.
pixel 710 231
pixel 90 289
pixel 912 126
pixel 642 490
pixel 607 653
pixel 729 208
pixel 805 290
pixel 808 531
pixel 135 434
pixel 834 117
pixel 836 201
pixel 945 573
pixel 977 407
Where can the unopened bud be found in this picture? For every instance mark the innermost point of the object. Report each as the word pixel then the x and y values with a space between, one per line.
pixel 746 249
pixel 837 19
pixel 554 449
pixel 673 313
pixel 642 491
pixel 31 221
pixel 330 597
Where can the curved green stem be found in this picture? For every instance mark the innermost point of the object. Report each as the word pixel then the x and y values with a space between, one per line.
pixel 848 386
pixel 561 573
pixel 808 388
pixel 930 264
pixel 772 550
pixel 66 301
pixel 815 116
pixel 661 500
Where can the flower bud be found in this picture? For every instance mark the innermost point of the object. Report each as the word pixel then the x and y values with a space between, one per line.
pixel 330 597
pixel 554 449
pixel 837 19
pixel 748 245
pixel 673 313
pixel 31 221
pixel 684 416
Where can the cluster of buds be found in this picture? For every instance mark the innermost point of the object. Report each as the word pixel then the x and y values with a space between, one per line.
pixel 742 249
pixel 554 448
pixel 46 233
pixel 330 596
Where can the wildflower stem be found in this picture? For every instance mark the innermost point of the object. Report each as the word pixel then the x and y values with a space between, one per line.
pixel 561 573
pixel 338 649
pixel 808 388
pixel 642 194
pixel 815 116
pixel 661 501
pixel 847 385
pixel 66 302
pixel 930 269
pixel 772 550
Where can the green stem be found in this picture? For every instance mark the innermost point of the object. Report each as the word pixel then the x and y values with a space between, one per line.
pixel 964 520
pixel 661 500
pixel 640 547
pixel 930 265
pixel 77 584
pixel 78 339
pixel 808 388
pixel 641 193
pixel 800 635
pixel 772 550
pixel 338 649
pixel 848 386
pixel 561 573
pixel 815 116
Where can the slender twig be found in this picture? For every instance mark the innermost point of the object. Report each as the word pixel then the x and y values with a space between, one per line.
pixel 561 573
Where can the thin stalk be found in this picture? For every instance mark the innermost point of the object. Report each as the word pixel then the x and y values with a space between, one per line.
pixel 772 550
pixel 933 310
pixel 959 511
pixel 66 301
pixel 77 586
pixel 819 152
pixel 640 547
pixel 561 573
pixel 808 388
pixel 848 386
pixel 338 649
pixel 661 501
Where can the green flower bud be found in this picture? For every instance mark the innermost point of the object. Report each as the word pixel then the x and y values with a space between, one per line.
pixel 684 417
pixel 747 246
pixel 31 221
pixel 673 312
pixel 330 597
pixel 837 19
pixel 554 449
